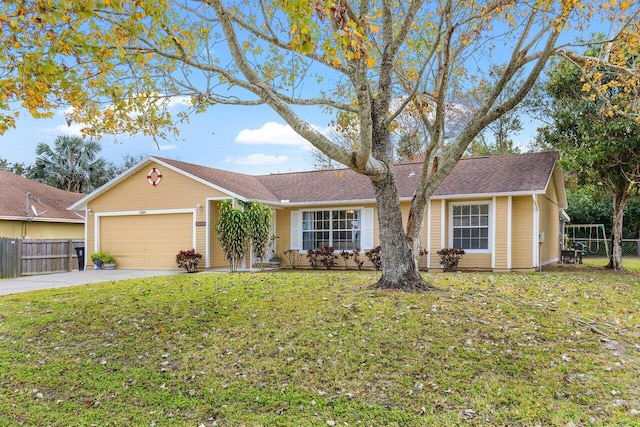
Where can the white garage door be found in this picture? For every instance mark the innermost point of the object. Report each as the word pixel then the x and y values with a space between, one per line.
pixel 146 241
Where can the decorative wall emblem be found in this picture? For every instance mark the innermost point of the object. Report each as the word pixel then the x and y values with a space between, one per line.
pixel 154 176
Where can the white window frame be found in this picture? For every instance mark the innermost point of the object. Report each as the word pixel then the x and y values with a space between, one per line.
pixel 365 227
pixel 331 230
pixel 490 224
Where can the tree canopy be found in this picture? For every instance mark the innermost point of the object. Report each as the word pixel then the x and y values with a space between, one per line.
pixel 71 164
pixel 120 63
pixel 600 144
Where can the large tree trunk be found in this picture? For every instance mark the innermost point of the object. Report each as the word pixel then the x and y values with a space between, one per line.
pixel 399 266
pixel 619 202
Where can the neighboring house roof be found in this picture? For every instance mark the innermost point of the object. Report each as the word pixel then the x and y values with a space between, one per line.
pixel 512 174
pixel 49 202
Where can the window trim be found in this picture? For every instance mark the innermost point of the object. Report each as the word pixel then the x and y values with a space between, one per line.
pixel 367 230
pixel 490 224
pixel 331 210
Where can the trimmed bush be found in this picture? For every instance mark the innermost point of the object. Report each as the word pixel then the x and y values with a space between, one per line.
pixel 188 260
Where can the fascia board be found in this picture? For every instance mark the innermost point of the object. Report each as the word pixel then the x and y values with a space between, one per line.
pixel 485 195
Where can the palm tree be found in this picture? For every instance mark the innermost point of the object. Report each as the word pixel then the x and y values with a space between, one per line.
pixel 72 164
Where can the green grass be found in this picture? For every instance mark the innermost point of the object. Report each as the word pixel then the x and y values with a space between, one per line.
pixel 628 263
pixel 321 348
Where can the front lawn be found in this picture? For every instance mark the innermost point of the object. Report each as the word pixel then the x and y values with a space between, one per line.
pixel 321 348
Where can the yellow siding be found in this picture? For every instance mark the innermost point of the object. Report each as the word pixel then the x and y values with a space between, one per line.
pixel 470 261
pixel 283 230
pixel 474 262
pixel 522 233
pixel 501 234
pixel 135 193
pixel 178 192
pixel 549 225
pixel 175 191
pixel 436 232
pixel 41 230
pixel 217 259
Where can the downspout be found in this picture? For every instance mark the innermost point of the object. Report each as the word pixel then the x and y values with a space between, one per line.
pixel 492 244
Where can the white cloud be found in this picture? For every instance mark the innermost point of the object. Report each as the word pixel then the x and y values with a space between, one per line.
pixel 259 159
pixel 75 129
pixel 168 147
pixel 178 101
pixel 272 133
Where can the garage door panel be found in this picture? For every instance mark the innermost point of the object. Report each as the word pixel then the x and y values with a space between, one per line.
pixel 146 241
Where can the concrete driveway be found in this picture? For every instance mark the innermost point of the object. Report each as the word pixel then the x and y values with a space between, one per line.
pixel 74 278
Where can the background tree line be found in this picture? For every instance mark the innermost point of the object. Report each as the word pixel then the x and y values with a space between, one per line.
pixel 71 164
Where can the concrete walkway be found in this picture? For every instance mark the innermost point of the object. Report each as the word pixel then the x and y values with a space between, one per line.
pixel 74 278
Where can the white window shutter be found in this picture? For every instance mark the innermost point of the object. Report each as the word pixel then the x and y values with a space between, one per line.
pixel 367 238
pixel 296 221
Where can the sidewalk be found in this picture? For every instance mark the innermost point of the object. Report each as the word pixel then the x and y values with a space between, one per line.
pixel 74 278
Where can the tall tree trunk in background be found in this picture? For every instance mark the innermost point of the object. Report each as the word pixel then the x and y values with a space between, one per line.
pixel 619 202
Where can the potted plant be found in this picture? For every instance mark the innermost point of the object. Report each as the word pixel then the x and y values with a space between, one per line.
pixel 275 259
pixel 103 260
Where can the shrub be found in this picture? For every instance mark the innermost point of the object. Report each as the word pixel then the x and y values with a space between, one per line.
pixel 449 258
pixel 188 260
pixel 356 258
pixel 346 256
pixel 324 256
pixel 294 257
pixel 374 257
pixel 349 256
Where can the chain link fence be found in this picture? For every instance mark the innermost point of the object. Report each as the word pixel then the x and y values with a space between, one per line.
pixel 602 247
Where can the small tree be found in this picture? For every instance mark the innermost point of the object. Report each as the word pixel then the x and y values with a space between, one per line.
pixel 232 233
pixel 239 228
pixel 258 220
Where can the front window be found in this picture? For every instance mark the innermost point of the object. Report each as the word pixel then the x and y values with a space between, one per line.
pixel 337 228
pixel 471 226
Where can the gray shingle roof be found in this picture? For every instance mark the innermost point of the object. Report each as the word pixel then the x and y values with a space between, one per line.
pixel 247 186
pixel 335 185
pixel 518 173
pixel 13 192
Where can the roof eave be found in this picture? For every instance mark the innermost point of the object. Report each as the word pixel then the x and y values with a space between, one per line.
pixel 486 195
pixel 40 219
pixel 328 203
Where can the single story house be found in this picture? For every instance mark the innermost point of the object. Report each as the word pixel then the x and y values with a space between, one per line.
pixel 32 210
pixel 505 211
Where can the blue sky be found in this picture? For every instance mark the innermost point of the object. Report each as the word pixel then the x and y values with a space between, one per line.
pixel 252 140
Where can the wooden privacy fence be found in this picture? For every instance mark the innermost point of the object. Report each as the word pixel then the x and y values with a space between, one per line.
pixel 23 257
